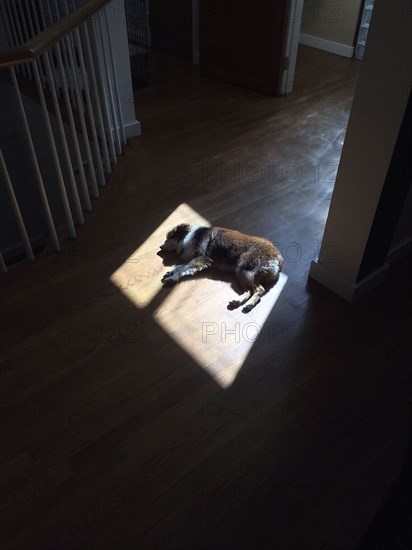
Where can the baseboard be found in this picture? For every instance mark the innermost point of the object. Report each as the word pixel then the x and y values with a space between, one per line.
pixel 347 290
pixel 133 129
pixel 327 45
pixel 399 251
pixel 289 88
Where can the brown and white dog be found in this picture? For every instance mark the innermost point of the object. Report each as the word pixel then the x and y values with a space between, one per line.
pixel 255 261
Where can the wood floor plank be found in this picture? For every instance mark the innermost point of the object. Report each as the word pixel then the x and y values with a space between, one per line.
pixel 137 416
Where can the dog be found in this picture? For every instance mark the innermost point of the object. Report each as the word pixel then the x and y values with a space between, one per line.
pixel 255 261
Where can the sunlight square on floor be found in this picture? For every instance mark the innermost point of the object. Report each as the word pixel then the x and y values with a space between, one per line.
pixel 139 277
pixel 195 315
pixel 194 312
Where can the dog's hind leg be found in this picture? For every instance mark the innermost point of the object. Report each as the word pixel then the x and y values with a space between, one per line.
pixel 194 266
pixel 268 274
pixel 258 292
pixel 233 304
pixel 245 279
pixel 250 282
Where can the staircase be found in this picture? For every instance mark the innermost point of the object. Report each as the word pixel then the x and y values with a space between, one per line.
pixel 65 119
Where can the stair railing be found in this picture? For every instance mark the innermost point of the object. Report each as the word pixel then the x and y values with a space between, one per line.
pixel 65 51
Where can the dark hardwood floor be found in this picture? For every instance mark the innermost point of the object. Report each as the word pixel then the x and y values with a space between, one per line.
pixel 140 417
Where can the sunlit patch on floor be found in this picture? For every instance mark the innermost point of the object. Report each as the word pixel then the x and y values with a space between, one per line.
pixel 195 315
pixel 139 277
pixel 194 312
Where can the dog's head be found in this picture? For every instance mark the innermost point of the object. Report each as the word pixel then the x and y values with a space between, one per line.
pixel 175 236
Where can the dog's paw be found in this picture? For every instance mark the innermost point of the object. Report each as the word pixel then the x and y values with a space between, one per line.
pixel 167 276
pixel 233 304
pixel 169 281
pixel 170 278
pixel 247 308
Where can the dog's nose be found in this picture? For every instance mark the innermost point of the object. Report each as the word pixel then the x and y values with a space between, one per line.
pixel 162 247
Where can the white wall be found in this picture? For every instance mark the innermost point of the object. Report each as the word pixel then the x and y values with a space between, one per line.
pixel 118 34
pixel 331 25
pixel 376 117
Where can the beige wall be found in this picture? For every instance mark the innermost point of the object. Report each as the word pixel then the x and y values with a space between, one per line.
pixel 376 117
pixel 334 20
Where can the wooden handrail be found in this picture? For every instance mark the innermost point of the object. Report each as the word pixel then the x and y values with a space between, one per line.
pixel 31 49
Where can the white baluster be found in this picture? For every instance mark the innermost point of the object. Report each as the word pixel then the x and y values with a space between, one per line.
pixel 7 26
pixel 24 30
pixel 69 164
pixel 26 69
pixel 73 129
pixel 13 31
pixel 109 84
pixel 32 35
pixel 63 49
pixel 55 156
pixel 83 123
pixel 95 92
pixel 115 81
pixel 102 89
pixel 89 108
pixel 69 43
pixel 32 152
pixel 16 210
pixel 44 23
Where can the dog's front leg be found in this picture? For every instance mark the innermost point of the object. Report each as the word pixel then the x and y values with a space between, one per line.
pixel 174 275
pixel 194 266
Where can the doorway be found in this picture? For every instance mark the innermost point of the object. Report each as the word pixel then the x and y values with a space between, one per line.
pixel 339 27
pixel 175 28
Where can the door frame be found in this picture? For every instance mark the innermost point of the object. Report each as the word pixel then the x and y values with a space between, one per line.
pixel 291 48
pixel 195 31
pixel 292 44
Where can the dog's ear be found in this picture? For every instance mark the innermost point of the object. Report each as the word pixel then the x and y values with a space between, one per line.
pixel 186 227
pixel 182 230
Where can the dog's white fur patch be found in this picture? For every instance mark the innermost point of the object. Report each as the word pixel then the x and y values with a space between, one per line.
pixel 232 245
pixel 274 264
pixel 187 246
